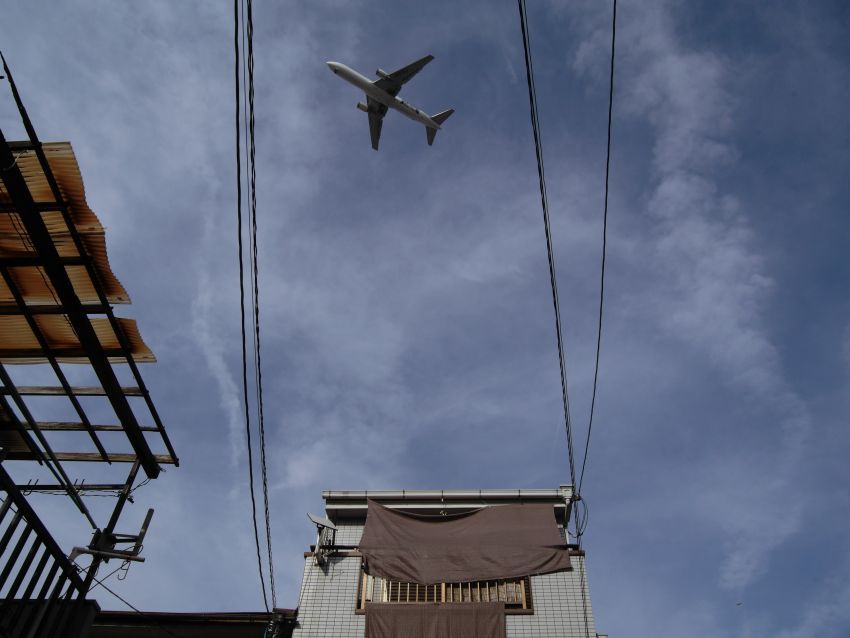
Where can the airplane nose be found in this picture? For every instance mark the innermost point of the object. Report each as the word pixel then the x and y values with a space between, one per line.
pixel 333 66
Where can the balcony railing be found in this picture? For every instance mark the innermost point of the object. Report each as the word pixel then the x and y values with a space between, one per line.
pixel 41 593
pixel 514 592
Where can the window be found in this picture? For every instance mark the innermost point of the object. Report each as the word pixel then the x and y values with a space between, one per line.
pixel 514 592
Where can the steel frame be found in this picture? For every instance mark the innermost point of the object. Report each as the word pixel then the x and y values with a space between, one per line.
pixel 16 416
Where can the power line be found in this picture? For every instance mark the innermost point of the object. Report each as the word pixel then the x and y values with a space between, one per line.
pixel 604 247
pixel 580 529
pixel 125 601
pixel 114 571
pixel 247 35
pixel 535 127
pixel 256 298
pixel 580 524
pixel 236 33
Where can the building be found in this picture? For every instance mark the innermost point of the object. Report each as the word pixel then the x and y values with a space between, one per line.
pixel 336 589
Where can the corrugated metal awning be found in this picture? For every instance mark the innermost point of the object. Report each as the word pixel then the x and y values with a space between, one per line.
pixel 19 344
pixel 56 296
pixel 14 242
pixel 26 281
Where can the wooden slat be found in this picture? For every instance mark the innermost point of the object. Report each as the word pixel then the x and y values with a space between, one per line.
pixel 513 592
pixel 80 391
pixel 35 339
pixel 90 457
pixel 63 355
pixel 113 457
pixel 69 426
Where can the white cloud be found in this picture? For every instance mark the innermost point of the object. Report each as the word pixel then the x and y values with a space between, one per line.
pixel 208 337
pixel 830 616
pixel 711 282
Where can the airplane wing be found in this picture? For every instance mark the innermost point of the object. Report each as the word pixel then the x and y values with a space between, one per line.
pixel 377 111
pixel 393 82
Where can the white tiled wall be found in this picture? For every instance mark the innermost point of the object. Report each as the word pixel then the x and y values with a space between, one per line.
pixel 329 596
pixel 559 610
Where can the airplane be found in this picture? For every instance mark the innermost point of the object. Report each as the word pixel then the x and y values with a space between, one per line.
pixel 382 93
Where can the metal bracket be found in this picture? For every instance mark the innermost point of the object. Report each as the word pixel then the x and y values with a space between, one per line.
pixel 103 545
pixel 326 537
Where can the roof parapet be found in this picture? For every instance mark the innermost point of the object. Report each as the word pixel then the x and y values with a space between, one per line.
pixel 349 504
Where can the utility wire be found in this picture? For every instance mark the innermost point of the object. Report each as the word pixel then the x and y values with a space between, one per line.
pixel 535 127
pixel 100 582
pixel 604 247
pixel 236 33
pixel 256 298
pixel 580 529
pixel 123 600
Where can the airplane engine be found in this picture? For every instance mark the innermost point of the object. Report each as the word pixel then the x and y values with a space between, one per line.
pixel 382 74
pixel 362 107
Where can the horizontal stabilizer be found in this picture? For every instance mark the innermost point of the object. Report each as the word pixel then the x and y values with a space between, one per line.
pixel 439 118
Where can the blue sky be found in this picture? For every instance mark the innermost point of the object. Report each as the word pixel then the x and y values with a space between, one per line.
pixel 407 326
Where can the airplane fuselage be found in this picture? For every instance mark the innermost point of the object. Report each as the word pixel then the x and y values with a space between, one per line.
pixel 379 95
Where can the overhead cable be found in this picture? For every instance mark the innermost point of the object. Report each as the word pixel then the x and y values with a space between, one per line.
pixel 604 247
pixel 581 527
pixel 580 521
pixel 236 34
pixel 535 127
pixel 100 582
pixel 258 370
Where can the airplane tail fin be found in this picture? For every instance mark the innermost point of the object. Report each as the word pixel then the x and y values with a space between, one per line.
pixel 439 118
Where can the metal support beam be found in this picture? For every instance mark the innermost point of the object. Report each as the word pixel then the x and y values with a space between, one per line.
pixel 123 497
pixel 40 309
pixel 32 262
pixel 41 206
pixel 80 487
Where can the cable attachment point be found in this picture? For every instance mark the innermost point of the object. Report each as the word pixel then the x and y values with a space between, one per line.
pixel 103 544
